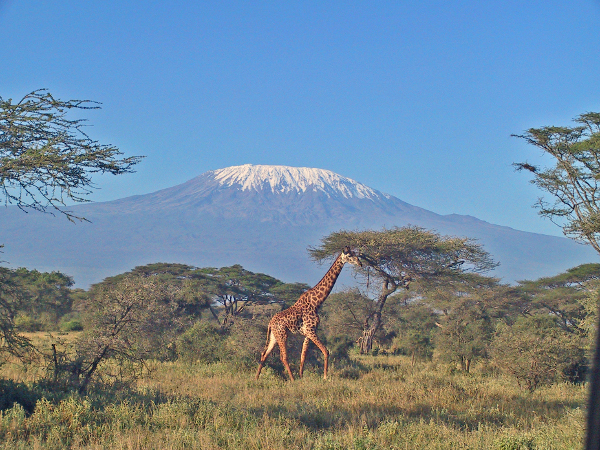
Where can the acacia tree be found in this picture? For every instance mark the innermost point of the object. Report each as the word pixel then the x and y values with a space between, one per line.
pixel 466 306
pixel 536 350
pixel 236 288
pixel 573 183
pixel 394 258
pixel 562 296
pixel 46 159
pixel 188 284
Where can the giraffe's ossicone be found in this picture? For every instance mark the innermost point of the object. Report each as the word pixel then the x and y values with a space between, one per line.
pixel 302 317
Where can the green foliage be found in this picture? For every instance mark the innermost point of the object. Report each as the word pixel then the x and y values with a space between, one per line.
pixel 563 296
pixel 589 324
pixel 188 286
pixel 71 325
pixel 12 298
pixel 416 327
pixel 343 315
pixel 409 253
pixel 236 288
pixel 201 343
pixel 24 322
pixel 47 159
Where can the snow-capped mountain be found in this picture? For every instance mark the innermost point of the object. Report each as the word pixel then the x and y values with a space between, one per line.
pixel 262 217
pixel 284 179
pixel 278 194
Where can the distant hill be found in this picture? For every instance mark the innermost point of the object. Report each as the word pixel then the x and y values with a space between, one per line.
pixel 262 217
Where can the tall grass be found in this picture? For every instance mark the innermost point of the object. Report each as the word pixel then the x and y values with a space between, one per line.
pixel 387 404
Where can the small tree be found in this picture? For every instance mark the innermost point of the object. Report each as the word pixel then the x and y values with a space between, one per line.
pixel 562 296
pixel 535 350
pixel 130 322
pixel 416 330
pixel 393 258
pixel 47 294
pixel 47 159
pixel 466 307
pixel 188 284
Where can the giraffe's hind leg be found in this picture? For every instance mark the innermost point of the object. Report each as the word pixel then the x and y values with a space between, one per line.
pixel 266 353
pixel 282 340
pixel 303 355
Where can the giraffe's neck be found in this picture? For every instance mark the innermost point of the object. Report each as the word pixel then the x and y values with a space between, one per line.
pixel 324 287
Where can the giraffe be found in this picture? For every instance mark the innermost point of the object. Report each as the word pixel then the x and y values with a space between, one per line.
pixel 302 316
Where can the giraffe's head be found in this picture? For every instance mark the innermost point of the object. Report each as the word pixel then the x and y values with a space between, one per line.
pixel 348 256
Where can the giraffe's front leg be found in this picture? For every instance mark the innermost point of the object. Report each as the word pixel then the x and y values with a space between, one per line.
pixel 313 337
pixel 303 355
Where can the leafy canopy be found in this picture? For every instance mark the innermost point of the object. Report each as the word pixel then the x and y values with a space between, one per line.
pixel 400 255
pixel 573 181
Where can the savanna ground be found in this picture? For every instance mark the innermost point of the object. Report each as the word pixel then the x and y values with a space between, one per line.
pixel 376 402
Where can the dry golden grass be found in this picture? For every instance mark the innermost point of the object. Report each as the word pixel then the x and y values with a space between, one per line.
pixel 391 405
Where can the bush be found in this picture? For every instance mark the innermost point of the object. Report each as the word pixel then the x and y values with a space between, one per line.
pixel 11 393
pixel 515 443
pixel 24 322
pixel 71 325
pixel 204 342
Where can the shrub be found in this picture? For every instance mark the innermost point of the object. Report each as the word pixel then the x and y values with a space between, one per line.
pixel 24 322
pixel 515 443
pixel 71 325
pixel 535 351
pixel 12 392
pixel 203 342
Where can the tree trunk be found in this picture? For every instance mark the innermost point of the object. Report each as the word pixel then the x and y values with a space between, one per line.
pixel 373 321
pixel 366 340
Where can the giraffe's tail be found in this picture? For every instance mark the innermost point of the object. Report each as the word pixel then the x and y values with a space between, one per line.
pixel 268 338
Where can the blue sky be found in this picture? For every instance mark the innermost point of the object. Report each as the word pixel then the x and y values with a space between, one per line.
pixel 416 99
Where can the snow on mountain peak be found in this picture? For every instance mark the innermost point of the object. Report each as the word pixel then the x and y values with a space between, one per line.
pixel 284 179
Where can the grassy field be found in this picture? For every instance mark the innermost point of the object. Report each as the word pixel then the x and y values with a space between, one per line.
pixel 384 404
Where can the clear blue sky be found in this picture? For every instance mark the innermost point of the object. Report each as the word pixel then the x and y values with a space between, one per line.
pixel 416 99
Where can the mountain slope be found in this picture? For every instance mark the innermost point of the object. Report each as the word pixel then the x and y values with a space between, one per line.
pixel 263 217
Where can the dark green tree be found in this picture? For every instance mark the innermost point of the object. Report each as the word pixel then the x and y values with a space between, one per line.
pixel 415 331
pixel 467 307
pixel 189 285
pixel 47 159
pixel 393 258
pixel 236 288
pixel 46 294
pixel 562 296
